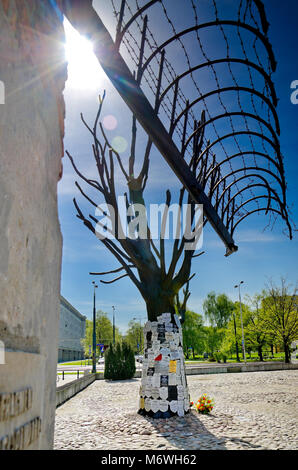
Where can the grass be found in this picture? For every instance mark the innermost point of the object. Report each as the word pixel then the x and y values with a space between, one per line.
pixel 75 373
pixel 254 358
pixel 82 362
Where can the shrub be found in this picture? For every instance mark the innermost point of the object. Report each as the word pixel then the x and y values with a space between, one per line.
pixel 119 362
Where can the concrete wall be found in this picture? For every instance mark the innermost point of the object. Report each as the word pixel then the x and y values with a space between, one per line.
pixel 72 327
pixel 231 368
pixel 65 392
pixel 33 71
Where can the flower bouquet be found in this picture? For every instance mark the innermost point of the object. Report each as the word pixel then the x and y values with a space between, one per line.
pixel 204 404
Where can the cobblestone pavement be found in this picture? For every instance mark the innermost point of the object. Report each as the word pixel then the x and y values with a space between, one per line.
pixel 253 410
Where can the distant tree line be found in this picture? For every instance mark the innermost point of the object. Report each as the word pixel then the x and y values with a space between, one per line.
pixel 270 324
pixel 104 334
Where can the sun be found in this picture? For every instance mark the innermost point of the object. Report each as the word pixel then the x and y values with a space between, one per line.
pixel 84 70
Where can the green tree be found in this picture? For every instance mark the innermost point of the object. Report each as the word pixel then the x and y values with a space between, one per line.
pixel 193 333
pixel 280 314
pixel 213 339
pixel 232 333
pixel 218 309
pixel 135 336
pixel 104 331
pixel 256 334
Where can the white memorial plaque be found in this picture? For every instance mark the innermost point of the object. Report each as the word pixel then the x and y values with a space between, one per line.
pixel 166 317
pixel 156 380
pixel 163 393
pixel 163 405
pixel 165 351
pixel 174 355
pixel 151 357
pixel 155 405
pixel 147 404
pixel 155 393
pixel 173 406
pixel 149 382
pixel 172 379
pixel 163 369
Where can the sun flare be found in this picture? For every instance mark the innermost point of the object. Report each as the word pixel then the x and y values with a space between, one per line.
pixel 84 71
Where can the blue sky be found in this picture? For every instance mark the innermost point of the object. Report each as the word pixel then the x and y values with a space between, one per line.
pixel 261 255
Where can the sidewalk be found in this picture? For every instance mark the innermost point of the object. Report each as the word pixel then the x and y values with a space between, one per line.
pixel 252 411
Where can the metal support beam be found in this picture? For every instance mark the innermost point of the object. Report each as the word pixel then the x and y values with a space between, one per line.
pixel 85 19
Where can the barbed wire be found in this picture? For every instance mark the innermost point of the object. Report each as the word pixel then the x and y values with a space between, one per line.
pixel 215 179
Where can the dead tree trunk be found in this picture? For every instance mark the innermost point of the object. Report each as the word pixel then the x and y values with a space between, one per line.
pixel 145 263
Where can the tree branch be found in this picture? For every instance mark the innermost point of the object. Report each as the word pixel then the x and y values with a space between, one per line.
pixel 113 280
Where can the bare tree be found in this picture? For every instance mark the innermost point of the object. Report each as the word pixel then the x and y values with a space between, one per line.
pixel 140 258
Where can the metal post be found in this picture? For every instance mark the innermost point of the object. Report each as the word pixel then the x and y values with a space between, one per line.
pixel 94 332
pixel 237 353
pixel 113 324
pixel 243 343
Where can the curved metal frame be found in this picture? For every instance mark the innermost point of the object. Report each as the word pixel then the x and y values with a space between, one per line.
pixel 210 169
pixel 235 113
pixel 130 21
pixel 222 90
pixel 259 210
pixel 232 134
pixel 238 24
pixel 222 61
pixel 248 152
pixel 229 219
pixel 237 170
pixel 247 188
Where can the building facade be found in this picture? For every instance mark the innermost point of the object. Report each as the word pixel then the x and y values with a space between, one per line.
pixel 71 331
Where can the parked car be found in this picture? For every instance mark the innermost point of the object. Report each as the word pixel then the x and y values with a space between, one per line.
pixel 139 358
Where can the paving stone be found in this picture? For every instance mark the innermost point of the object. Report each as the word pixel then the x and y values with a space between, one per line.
pixel 252 411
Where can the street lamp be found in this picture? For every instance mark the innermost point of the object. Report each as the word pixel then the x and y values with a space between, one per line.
pixel 113 324
pixel 243 344
pixel 94 332
pixel 235 331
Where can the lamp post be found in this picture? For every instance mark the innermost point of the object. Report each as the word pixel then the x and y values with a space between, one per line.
pixel 235 330
pixel 113 324
pixel 243 344
pixel 94 332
